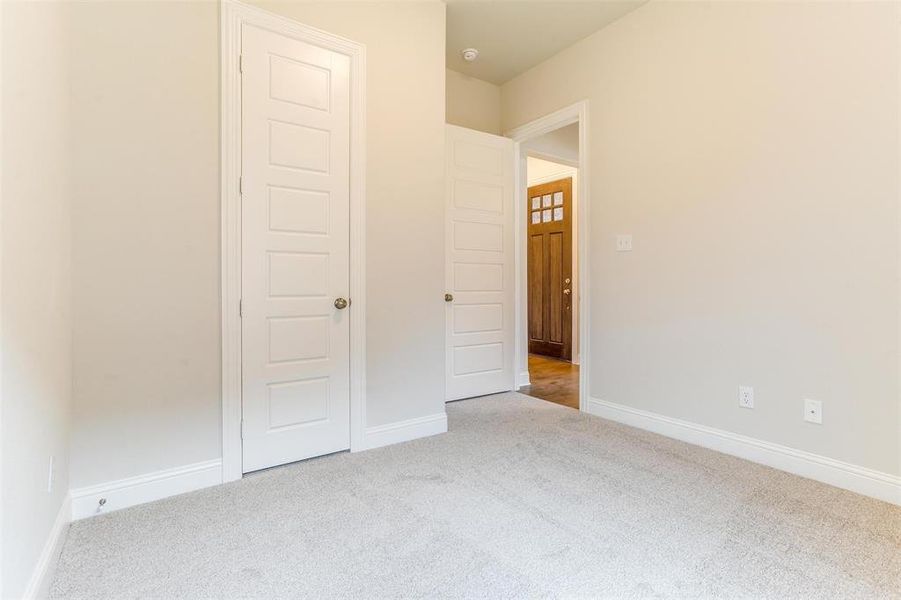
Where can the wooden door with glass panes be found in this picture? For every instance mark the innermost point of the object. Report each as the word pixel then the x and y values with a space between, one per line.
pixel 550 268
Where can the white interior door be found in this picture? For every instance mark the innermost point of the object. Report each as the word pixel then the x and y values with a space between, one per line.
pixel 479 264
pixel 294 249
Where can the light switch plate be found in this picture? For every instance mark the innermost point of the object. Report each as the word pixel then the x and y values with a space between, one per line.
pixel 813 411
pixel 623 243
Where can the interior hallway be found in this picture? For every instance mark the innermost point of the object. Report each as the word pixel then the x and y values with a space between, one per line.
pixel 553 380
pixel 520 498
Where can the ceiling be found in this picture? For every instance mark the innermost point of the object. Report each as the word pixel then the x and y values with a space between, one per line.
pixel 513 36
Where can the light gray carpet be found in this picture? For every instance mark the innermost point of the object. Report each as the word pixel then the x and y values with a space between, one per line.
pixel 522 498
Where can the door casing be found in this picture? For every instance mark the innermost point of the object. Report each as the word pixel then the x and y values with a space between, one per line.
pixel 575 113
pixel 233 15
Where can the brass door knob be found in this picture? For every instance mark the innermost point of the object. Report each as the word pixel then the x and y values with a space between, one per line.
pixel 448 297
pixel 341 303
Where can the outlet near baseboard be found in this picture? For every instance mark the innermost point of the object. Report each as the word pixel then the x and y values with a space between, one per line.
pixel 813 411
pixel 745 396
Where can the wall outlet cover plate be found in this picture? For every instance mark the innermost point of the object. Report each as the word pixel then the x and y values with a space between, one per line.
pixel 813 411
pixel 624 243
pixel 745 396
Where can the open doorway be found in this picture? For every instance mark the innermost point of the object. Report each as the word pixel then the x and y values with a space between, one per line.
pixel 550 346
pixel 551 267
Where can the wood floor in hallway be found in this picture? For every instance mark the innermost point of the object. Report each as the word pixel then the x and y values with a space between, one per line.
pixel 553 380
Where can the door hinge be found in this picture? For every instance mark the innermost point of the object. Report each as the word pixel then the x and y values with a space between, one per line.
pixel 241 307
pixel 242 429
pixel 240 185
pixel 240 63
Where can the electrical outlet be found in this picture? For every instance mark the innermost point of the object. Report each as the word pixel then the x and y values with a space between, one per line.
pixel 745 396
pixel 813 411
pixel 50 476
pixel 624 243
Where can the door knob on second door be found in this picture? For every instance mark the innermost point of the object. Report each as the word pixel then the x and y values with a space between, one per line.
pixel 341 303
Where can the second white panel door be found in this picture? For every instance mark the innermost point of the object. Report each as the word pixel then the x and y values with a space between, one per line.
pixel 295 249
pixel 479 263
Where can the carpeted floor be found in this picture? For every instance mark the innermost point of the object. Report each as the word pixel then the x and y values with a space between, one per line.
pixel 522 498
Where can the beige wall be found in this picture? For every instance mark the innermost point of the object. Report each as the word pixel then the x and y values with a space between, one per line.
pixel 146 247
pixel 752 151
pixel 473 103
pixel 145 104
pixel 35 301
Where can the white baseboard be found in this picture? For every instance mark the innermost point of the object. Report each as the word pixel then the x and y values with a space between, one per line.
pixel 404 431
pixel 42 575
pixel 523 380
pixel 171 482
pixel 144 488
pixel 862 480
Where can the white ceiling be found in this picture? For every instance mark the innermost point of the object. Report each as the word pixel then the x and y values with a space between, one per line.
pixel 513 36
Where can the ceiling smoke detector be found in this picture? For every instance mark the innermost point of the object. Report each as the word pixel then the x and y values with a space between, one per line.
pixel 470 54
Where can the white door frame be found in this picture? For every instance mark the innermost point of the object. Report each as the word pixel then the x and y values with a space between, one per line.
pixel 233 15
pixel 576 113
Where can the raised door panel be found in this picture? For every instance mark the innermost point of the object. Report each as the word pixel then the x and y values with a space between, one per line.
pixel 302 402
pixel 475 277
pixel 298 211
pixel 478 318
pixel 299 82
pixel 483 197
pixel 481 157
pixel 478 359
pixel 536 287
pixel 554 287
